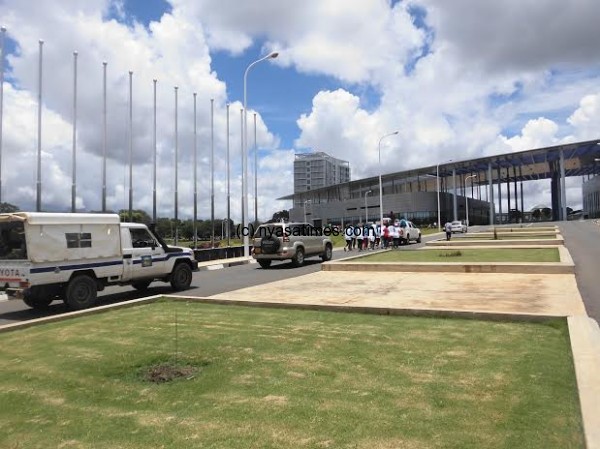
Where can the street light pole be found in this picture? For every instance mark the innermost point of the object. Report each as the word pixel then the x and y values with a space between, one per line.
pixel 437 175
pixel 366 208
pixel 255 175
pixel 380 185
pixel 245 229
pixel 467 199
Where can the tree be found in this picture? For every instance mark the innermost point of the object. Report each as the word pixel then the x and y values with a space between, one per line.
pixel 281 215
pixel 7 208
pixel 546 213
pixel 138 216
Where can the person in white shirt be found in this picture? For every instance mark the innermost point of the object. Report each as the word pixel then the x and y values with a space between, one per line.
pixel 348 236
pixel 448 229
pixel 394 236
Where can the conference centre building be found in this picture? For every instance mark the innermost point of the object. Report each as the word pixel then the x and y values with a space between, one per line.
pixel 483 185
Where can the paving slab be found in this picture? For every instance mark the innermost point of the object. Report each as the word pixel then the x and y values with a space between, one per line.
pixel 516 294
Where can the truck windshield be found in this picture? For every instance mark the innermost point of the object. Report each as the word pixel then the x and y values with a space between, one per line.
pixel 12 240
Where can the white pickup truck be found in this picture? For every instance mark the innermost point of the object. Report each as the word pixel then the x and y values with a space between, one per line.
pixel 48 256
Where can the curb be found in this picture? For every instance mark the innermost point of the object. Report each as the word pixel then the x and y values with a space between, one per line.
pixel 472 242
pixel 585 345
pixel 223 263
pixel 71 315
pixel 473 267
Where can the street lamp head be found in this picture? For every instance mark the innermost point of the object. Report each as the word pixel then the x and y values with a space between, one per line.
pixel 273 55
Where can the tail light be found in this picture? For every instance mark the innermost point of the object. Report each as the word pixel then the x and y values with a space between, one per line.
pixel 24 284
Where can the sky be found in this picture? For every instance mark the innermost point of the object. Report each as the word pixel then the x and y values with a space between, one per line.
pixel 458 80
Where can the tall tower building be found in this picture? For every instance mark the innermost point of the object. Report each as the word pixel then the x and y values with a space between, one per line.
pixel 317 170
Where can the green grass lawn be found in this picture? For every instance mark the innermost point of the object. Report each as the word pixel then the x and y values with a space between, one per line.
pixel 466 255
pixel 269 378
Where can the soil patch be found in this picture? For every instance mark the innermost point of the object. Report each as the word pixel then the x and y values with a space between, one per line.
pixel 165 372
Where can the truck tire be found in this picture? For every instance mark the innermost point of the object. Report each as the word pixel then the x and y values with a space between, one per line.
pixel 298 259
pixel 36 299
pixel 181 277
pixel 264 263
pixel 141 285
pixel 81 292
pixel 327 253
pixel 269 245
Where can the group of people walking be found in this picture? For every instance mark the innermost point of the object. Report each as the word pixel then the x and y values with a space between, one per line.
pixel 372 236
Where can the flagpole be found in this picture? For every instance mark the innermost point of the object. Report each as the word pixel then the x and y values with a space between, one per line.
pixel 2 36
pixel 154 155
pixel 228 185
pixel 195 176
pixel 212 172
pixel 104 136
pixel 176 171
pixel 38 201
pixel 74 164
pixel 130 145
pixel 242 153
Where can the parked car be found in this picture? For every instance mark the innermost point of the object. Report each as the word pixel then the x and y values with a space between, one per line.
pixel 408 231
pixel 294 241
pixel 458 226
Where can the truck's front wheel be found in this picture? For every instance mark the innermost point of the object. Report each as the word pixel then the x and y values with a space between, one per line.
pixel 181 277
pixel 81 293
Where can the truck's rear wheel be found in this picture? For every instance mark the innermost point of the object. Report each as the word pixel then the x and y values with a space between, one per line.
pixel 264 263
pixel 81 292
pixel 36 299
pixel 181 277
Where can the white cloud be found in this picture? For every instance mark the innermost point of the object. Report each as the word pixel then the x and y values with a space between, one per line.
pixel 586 119
pixel 537 133
pixel 486 68
pixel 517 35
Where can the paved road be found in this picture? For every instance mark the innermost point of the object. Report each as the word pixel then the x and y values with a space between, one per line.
pixel 582 239
pixel 205 283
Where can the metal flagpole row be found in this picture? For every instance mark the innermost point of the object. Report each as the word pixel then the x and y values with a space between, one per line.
pixel 104 193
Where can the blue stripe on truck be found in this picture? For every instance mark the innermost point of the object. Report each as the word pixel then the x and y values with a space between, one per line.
pixel 77 266
pixel 98 264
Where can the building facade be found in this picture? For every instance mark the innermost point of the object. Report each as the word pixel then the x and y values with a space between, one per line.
pixel 591 197
pixel 317 170
pixel 491 187
pixel 413 197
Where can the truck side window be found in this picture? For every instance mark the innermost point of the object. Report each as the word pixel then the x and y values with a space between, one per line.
pixel 78 239
pixel 141 238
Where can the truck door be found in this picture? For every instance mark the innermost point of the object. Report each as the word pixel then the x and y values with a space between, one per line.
pixel 144 257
